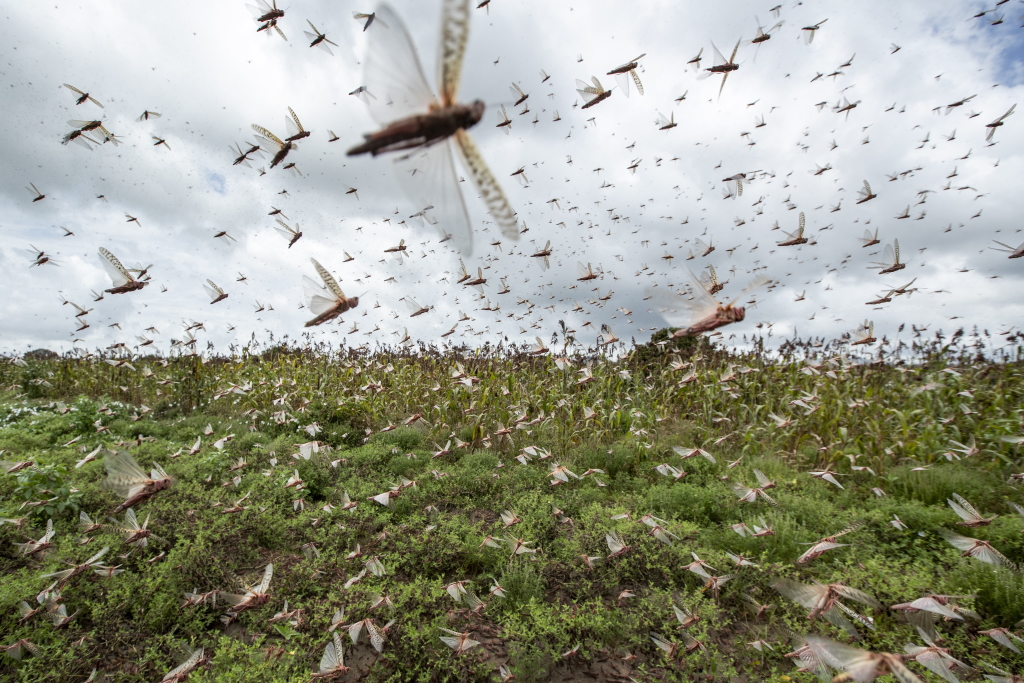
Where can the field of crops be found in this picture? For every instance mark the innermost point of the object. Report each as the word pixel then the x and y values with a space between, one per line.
pixel 549 511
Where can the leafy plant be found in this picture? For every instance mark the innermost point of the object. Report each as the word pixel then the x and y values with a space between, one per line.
pixel 50 486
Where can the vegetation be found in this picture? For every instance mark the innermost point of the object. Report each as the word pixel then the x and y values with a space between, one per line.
pixel 462 436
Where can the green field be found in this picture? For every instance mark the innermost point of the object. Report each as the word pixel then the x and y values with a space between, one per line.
pixel 953 405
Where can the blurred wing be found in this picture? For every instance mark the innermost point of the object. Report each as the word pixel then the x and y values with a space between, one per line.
pixel 859 596
pixel 328 279
pixel 454 33
pixel 758 281
pixel 428 178
pixel 677 310
pixel 114 268
pixel 130 520
pixel 393 70
pixel 210 291
pixel 956 540
pixel 123 473
pixel 95 558
pixel 497 204
pixel 318 299
pixel 805 596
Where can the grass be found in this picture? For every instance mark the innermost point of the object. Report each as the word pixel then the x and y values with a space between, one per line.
pixel 893 414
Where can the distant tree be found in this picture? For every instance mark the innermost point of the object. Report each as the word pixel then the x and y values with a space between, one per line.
pixel 40 354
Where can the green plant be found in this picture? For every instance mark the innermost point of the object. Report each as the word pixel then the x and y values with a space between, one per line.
pixel 48 489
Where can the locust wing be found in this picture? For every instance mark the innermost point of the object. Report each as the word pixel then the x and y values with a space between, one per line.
pixel 680 311
pixel 454 34
pixel 184 667
pixel 497 204
pixel 759 281
pixel 393 70
pixel 264 586
pixel 124 476
pixel 428 178
pixel 118 273
pixel 267 138
pixel 334 656
pixel 328 279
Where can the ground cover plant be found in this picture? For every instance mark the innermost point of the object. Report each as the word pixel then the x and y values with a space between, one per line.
pixel 661 512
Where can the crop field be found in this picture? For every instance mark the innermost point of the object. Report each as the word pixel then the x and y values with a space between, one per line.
pixel 641 514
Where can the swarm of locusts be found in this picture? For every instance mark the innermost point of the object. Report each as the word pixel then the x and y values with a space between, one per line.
pixel 405 507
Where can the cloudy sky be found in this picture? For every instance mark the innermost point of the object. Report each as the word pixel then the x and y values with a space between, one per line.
pixel 209 73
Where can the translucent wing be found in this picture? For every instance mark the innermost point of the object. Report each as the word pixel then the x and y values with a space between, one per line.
pixel 413 306
pixel 259 10
pixel 291 124
pixel 454 33
pixel 428 179
pixel 285 230
pixel 212 293
pixel 333 657
pixel 623 81
pixel 963 508
pixel 956 540
pixel 589 92
pixel 759 281
pixel 719 58
pixel 114 268
pixel 453 643
pixel 735 50
pixel 497 204
pixel 328 279
pixel 318 299
pixel 130 520
pixel 680 311
pixel 393 70
pixel 889 255
pixel 123 473
pixel 636 82
pixel 805 596
pixel 896 250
